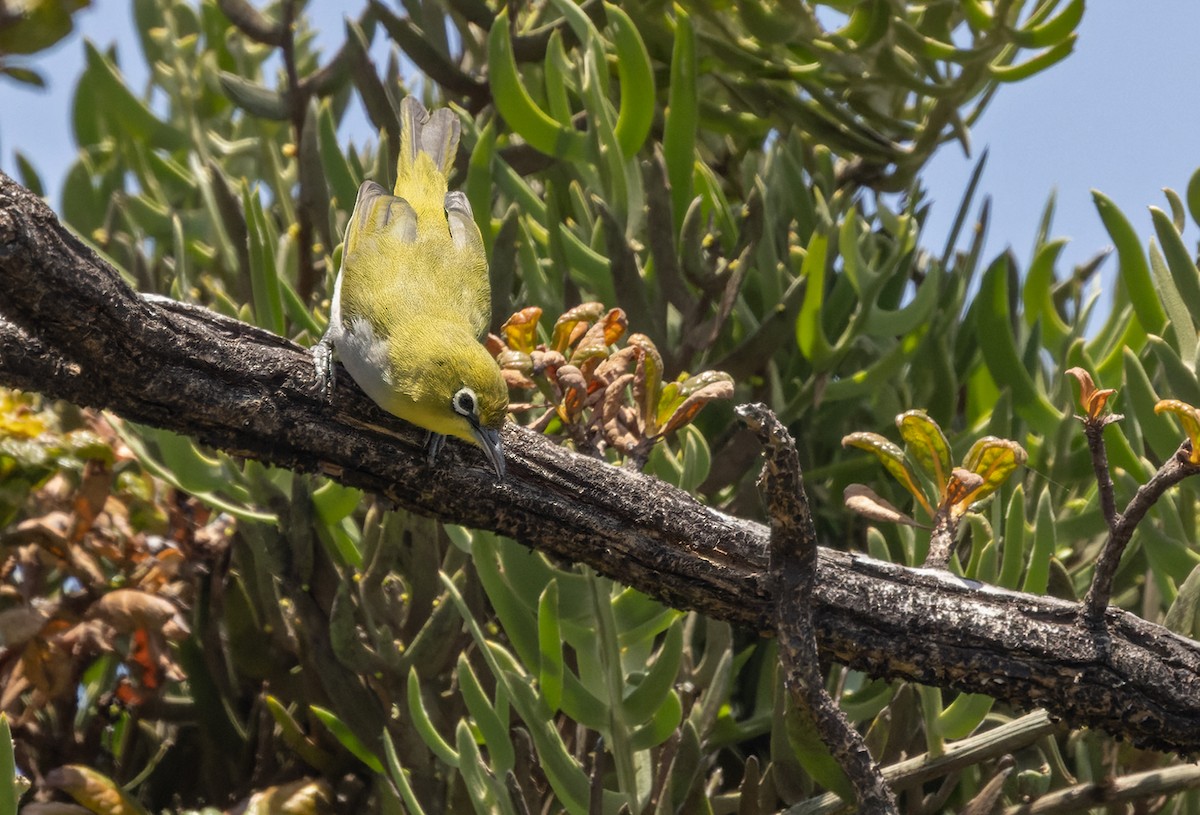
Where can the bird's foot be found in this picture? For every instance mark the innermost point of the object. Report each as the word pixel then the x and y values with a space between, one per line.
pixel 434 442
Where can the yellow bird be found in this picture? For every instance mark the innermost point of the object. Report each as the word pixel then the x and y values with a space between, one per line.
pixel 412 298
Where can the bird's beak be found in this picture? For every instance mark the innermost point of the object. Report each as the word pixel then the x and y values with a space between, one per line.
pixel 489 440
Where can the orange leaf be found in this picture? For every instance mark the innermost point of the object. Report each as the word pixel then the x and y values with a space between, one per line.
pixel 520 330
pixel 1189 417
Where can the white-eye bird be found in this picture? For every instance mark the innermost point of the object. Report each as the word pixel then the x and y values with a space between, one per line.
pixel 412 297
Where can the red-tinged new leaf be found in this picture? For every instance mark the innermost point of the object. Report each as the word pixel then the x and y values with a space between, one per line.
pixel 1189 417
pixel 520 330
pixel 927 445
pixel 1091 398
pixel 892 458
pixel 862 500
pixel 574 392
pixel 962 485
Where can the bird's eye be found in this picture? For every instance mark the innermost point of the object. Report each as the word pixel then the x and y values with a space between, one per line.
pixel 464 402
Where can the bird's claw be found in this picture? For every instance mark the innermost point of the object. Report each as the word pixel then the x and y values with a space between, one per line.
pixel 434 442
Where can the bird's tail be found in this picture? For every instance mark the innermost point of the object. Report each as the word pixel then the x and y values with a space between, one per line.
pixel 422 133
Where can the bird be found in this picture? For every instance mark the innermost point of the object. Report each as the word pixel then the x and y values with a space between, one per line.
pixel 412 298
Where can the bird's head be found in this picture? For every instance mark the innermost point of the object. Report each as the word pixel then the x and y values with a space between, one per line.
pixel 463 394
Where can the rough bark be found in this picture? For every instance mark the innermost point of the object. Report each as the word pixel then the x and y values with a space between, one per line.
pixel 72 329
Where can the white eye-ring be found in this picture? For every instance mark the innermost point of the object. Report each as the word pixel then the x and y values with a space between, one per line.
pixel 464 402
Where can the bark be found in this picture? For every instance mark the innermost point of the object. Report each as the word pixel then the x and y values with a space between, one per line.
pixel 72 329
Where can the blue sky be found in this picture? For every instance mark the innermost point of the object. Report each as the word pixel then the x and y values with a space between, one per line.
pixel 1121 115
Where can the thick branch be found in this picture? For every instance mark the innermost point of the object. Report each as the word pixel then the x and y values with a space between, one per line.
pixel 75 331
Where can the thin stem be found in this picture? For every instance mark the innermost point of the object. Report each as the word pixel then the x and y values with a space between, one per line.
pixel 1093 429
pixel 1174 470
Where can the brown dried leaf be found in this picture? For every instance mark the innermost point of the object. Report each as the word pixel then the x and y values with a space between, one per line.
pixel 617 364
pixel 19 625
pixel 861 499
pixel 516 380
pixel 129 609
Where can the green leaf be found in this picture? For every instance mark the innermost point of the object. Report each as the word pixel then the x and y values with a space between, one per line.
pixel 665 721
pixel 813 754
pixel 882 322
pixel 264 277
pixel 338 173
pixel 1193 196
pixel 122 109
pixel 424 725
pixel 636 113
pixel 1135 272
pixel 399 777
pixel 482 787
pixel 514 103
pixel 1037 574
pixel 1183 268
pixel 566 777
pixel 1158 431
pixel 926 444
pixel 494 730
pixel 1177 310
pixel 346 737
pixel 964 714
pixel 810 334
pixel 893 460
pixel 681 117
pixel 1054 30
pixel 1013 557
pixel 550 664
pixel 994 460
pixel 1183 617
pixel 1180 379
pixel 1000 351
pixel 10 792
pixel 1037 296
pixel 1035 64
pixel 659 681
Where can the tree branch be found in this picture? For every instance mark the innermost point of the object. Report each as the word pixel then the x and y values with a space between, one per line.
pixel 794 571
pixel 73 330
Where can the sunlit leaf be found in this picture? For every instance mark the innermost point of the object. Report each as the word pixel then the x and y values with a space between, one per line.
pixel 926 444
pixel 696 392
pixel 1189 417
pixel 994 460
pixel 93 790
pixel 893 460
pixel 520 330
